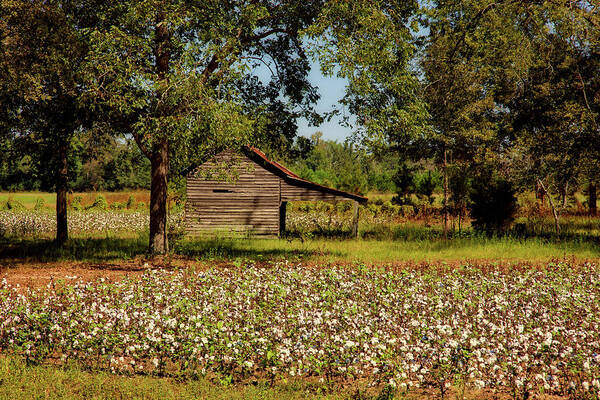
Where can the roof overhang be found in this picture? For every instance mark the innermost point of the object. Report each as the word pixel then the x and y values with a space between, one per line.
pixel 294 179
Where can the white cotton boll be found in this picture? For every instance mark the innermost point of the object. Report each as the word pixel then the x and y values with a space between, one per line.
pixel 519 383
pixel 586 386
pixel 547 340
pixel 586 366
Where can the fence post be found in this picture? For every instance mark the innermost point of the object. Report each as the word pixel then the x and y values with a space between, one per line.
pixel 355 220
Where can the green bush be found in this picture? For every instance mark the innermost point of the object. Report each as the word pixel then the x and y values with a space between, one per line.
pixel 388 208
pixel 117 205
pixel 77 203
pixel 40 203
pixel 13 205
pixel 344 206
pixel 130 202
pixel 325 206
pixel 407 210
pixel 494 205
pixel 425 185
pixel 100 203
pixel 372 208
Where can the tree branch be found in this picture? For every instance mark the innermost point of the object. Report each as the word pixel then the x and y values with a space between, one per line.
pixel 215 61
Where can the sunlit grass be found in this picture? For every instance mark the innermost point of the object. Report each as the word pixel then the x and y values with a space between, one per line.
pixel 20 381
pixel 29 199
pixel 385 251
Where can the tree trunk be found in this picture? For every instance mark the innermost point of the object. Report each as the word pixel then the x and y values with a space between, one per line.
pixel 160 148
pixel 555 213
pixel 539 195
pixel 62 229
pixel 445 194
pixel 592 198
pixel 158 199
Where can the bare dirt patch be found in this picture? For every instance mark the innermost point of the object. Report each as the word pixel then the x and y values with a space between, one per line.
pixel 37 274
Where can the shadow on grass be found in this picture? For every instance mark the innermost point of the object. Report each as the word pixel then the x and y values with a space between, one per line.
pixel 203 249
pixel 106 249
pixel 80 249
pixel 420 240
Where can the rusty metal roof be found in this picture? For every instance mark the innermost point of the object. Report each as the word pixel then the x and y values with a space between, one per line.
pixel 290 176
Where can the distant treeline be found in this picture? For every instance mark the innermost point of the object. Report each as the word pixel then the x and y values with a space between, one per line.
pixel 119 165
pixel 112 165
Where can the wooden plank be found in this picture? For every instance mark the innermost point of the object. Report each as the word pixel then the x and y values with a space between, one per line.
pixel 355 220
pixel 241 221
pixel 236 221
pixel 230 211
pixel 224 196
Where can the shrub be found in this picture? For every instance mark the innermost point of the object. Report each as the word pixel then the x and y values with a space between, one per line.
pixel 14 205
pixel 344 206
pixel 100 203
pixel 407 211
pixel 372 208
pixel 39 203
pixel 425 185
pixel 130 202
pixel 76 203
pixel 388 208
pixel 494 205
pixel 117 205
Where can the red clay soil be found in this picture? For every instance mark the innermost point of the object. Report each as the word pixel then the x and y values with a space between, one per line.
pixel 37 274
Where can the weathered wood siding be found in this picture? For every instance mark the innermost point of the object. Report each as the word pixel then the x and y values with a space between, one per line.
pixel 246 205
pixel 297 192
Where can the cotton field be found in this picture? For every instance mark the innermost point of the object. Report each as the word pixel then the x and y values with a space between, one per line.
pixel 40 223
pixel 32 223
pixel 509 330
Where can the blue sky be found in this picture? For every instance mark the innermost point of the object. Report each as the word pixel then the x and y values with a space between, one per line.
pixel 331 90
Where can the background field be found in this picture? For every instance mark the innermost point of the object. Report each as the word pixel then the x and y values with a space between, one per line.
pixel 29 199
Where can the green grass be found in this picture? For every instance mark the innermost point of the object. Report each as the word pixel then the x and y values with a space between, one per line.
pixel 28 199
pixel 20 381
pixel 385 251
pixel 413 248
pixel 76 249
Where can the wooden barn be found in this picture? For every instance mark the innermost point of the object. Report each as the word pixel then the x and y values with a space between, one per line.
pixel 246 193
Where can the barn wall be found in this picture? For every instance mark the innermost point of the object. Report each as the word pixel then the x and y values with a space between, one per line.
pixel 250 204
pixel 293 192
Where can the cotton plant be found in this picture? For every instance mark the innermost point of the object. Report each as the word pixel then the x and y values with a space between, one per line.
pixel 29 223
pixel 501 330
